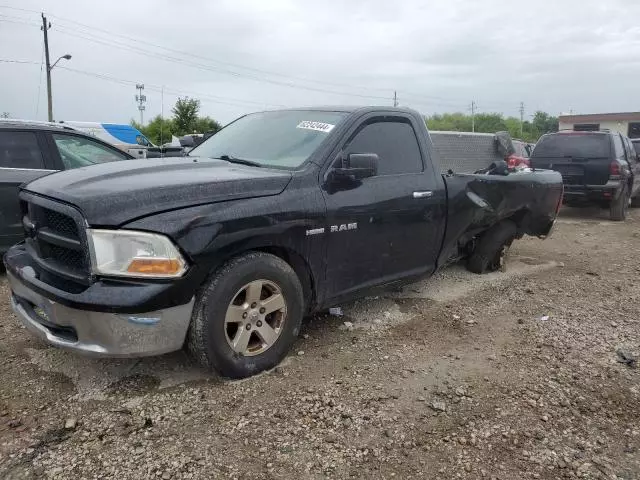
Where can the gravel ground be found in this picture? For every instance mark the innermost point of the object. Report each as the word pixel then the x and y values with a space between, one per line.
pixel 516 375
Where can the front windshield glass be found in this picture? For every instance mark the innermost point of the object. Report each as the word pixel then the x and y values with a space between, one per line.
pixel 281 139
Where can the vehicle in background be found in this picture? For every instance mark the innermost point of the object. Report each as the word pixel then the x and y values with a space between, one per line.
pixel 191 141
pixel 597 168
pixel 278 215
pixel 636 146
pixel 29 150
pixel 520 158
pixel 468 152
pixel 125 137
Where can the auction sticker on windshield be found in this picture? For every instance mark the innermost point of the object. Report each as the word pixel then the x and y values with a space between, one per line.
pixel 318 126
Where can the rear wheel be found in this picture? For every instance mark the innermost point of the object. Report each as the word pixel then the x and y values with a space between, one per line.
pixel 247 316
pixel 619 206
pixel 491 250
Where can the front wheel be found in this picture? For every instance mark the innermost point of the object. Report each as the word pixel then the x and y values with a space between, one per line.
pixel 247 316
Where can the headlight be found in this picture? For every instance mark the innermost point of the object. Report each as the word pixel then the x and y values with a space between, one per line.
pixel 128 253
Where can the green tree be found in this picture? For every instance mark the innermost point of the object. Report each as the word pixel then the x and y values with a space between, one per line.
pixel 158 130
pixel 454 122
pixel 545 123
pixel 185 115
pixel 490 123
pixel 206 124
pixel 185 120
pixel 495 122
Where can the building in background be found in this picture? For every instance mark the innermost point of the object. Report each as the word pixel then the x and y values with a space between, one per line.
pixel 625 123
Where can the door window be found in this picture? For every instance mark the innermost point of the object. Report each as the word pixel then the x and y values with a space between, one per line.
pixel 20 150
pixel 395 143
pixel 76 151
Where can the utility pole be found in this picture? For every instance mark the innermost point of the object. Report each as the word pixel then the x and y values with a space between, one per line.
pixel 46 26
pixel 473 116
pixel 141 99
pixel 521 119
pixel 395 98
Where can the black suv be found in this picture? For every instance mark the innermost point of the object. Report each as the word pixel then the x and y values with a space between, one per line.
pixel 29 150
pixel 598 168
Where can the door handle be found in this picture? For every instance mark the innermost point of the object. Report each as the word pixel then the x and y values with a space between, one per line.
pixel 425 194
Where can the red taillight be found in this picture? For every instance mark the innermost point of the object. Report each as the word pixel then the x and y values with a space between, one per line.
pixel 614 168
pixel 513 161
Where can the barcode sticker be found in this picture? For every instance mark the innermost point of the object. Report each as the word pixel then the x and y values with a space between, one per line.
pixel 317 126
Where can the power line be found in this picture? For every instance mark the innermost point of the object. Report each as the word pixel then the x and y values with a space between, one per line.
pixel 228 64
pixel 159 88
pixel 2 60
pixel 210 68
pixel 224 67
pixel 95 38
pixel 17 20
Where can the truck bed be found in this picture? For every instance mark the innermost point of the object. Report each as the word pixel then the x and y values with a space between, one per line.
pixel 478 201
pixel 467 152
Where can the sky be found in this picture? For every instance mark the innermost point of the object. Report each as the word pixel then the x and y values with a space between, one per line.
pixel 239 56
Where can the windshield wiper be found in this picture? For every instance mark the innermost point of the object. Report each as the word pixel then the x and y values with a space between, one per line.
pixel 241 161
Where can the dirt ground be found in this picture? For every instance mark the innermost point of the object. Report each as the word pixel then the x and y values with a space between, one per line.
pixel 516 375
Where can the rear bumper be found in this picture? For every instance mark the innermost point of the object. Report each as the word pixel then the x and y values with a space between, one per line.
pixel 609 191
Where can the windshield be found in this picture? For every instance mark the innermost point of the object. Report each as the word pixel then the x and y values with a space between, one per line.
pixel 573 145
pixel 281 139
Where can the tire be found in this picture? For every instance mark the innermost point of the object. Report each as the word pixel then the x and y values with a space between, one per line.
pixel 227 297
pixel 619 206
pixel 491 248
pixel 635 201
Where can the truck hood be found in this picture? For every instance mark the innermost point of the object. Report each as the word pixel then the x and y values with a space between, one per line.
pixel 114 193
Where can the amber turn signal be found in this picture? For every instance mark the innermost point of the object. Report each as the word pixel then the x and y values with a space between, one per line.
pixel 155 266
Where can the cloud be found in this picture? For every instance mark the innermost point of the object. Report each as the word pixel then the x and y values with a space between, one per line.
pixel 242 55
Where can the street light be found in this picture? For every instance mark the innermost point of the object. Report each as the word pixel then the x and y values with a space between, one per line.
pixel 49 68
pixel 66 57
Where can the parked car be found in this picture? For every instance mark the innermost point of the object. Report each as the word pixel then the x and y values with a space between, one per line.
pixel 279 214
pixel 125 137
pixel 29 150
pixel 636 146
pixel 520 157
pixel 597 167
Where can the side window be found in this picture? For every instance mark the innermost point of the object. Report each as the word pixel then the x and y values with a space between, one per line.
pixel 76 151
pixel 394 141
pixel 20 150
pixel 632 157
pixel 618 147
pixel 141 140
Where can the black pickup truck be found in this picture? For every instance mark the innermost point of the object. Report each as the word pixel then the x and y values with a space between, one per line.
pixel 278 215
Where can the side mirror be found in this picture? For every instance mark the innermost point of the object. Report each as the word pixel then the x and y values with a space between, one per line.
pixel 358 166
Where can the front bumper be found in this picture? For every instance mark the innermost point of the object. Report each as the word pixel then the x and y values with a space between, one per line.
pixel 99 333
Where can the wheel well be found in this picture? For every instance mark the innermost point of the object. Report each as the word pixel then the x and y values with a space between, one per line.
pixel 521 218
pixel 300 266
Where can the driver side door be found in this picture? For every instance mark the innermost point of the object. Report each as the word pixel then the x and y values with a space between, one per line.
pixel 386 227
